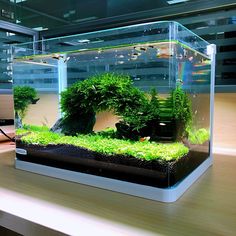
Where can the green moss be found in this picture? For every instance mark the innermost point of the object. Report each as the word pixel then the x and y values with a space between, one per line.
pixel 199 136
pixel 104 144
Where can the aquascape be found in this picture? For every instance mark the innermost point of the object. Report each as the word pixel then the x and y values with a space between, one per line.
pixel 125 106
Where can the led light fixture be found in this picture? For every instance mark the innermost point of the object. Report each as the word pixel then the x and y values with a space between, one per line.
pixel 176 1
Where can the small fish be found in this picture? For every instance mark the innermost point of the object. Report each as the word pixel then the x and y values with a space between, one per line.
pixel 190 58
pixel 57 56
pixel 144 139
pixel 83 41
pixel 180 81
pixel 136 54
pixel 180 56
pixel 133 58
pixel 162 124
pixel 140 48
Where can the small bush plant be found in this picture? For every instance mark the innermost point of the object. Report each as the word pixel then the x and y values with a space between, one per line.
pixel 23 97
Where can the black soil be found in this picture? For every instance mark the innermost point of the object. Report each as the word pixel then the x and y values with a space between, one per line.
pixel 153 173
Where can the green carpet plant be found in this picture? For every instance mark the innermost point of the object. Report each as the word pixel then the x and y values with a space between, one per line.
pixel 103 143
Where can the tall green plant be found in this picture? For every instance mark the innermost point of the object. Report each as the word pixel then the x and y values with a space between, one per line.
pixel 182 110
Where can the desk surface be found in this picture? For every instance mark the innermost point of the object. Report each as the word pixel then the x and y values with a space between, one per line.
pixel 207 208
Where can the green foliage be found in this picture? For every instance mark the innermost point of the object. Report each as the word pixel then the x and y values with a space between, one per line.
pixel 148 110
pixel 141 113
pixel 108 91
pixel 23 97
pixel 154 103
pixel 198 136
pixel 116 92
pixel 101 92
pixel 110 146
pixel 181 106
pixel 182 111
pixel 78 99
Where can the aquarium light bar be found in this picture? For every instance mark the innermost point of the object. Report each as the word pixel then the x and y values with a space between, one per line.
pixel 176 1
pixel 38 63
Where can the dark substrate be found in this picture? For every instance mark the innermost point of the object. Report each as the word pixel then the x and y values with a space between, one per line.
pixel 153 173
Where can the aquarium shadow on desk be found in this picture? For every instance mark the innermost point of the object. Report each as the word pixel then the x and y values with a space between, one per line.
pixel 161 174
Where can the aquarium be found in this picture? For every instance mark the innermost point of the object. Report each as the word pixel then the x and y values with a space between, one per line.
pixel 127 109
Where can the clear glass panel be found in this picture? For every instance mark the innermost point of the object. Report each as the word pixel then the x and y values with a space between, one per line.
pixel 7 38
pixel 131 103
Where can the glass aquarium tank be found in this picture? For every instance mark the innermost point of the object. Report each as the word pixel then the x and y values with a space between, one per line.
pixel 127 109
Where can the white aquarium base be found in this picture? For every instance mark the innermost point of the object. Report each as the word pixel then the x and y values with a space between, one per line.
pixel 153 193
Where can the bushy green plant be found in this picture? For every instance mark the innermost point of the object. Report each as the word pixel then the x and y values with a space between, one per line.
pixel 147 111
pixel 107 145
pixel 108 91
pixel 23 97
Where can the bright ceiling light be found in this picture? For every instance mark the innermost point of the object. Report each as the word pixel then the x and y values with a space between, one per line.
pixel 40 28
pixel 83 41
pixel 17 1
pixel 176 1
